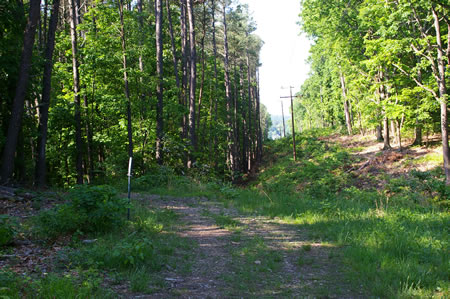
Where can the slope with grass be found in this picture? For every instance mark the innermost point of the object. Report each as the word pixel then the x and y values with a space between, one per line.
pixel 389 219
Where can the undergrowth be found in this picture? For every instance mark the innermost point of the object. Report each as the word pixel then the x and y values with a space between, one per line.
pixel 393 233
pixel 104 248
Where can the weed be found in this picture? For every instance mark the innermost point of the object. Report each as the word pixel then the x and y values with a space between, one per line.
pixel 394 240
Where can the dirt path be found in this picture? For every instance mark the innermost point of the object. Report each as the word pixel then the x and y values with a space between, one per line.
pixel 255 257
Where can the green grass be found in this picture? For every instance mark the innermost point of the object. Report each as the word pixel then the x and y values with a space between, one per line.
pixel 133 253
pixel 394 238
pixel 254 269
pixel 224 221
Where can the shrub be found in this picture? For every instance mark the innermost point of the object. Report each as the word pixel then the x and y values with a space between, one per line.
pixel 101 205
pixel 90 208
pixel 6 230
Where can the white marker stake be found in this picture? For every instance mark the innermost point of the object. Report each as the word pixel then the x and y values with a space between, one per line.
pixel 129 186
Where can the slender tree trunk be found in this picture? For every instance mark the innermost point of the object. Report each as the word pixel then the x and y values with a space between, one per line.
pixel 249 108
pixel 202 80
pixel 159 86
pixel 41 169
pixel 125 80
pixel 244 122
pixel 442 97
pixel 192 84
pixel 258 117
pixel 172 43
pixel 236 143
pixel 73 11
pixel 184 66
pixel 213 23
pixel 386 137
pixel 230 158
pixel 15 122
pixel 348 119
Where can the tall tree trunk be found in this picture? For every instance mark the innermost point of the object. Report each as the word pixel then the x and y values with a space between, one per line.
pixel 73 15
pixel 442 96
pixel 386 137
pixel 258 117
pixel 213 23
pixel 15 122
pixel 159 86
pixel 172 43
pixel 244 122
pixel 192 84
pixel 230 158
pixel 249 108
pixel 184 66
pixel 125 80
pixel 203 58
pixel 41 169
pixel 348 119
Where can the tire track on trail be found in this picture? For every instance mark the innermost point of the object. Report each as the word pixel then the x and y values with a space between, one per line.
pixel 306 269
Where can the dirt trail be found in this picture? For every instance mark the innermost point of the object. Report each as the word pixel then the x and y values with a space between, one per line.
pixel 306 270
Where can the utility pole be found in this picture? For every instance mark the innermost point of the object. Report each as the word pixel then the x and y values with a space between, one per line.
pixel 294 151
pixel 282 114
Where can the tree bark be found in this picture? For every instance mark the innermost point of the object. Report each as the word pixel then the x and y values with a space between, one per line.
pixel 213 23
pixel 41 168
pixel 386 137
pixel 442 97
pixel 230 158
pixel 203 63
pixel 184 66
pixel 249 108
pixel 192 84
pixel 348 119
pixel 73 11
pixel 125 80
pixel 379 133
pixel 159 86
pixel 15 122
pixel 172 43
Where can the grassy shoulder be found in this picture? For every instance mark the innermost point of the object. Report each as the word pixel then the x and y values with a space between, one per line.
pixel 392 230
pixel 85 247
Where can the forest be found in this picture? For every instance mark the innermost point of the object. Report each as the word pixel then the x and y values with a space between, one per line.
pixel 98 82
pixel 345 195
pixel 378 66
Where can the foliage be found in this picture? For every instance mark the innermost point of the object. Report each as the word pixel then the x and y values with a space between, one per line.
pixel 103 107
pixel 7 230
pixel 89 209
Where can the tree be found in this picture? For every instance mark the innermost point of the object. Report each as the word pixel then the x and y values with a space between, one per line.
pixel 159 86
pixel 15 122
pixel 41 168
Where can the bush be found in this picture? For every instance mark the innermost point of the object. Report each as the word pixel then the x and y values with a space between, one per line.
pixel 90 208
pixel 101 205
pixel 6 230
pixel 160 176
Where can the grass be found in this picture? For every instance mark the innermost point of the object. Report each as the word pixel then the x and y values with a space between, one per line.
pixel 134 254
pixel 254 268
pixel 224 221
pixel 394 238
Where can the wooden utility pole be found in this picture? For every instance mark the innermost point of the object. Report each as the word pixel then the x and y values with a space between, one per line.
pixel 294 151
pixel 282 114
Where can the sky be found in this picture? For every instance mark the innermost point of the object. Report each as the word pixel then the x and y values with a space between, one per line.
pixel 284 52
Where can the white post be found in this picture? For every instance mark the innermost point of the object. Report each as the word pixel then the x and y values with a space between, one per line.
pixel 129 186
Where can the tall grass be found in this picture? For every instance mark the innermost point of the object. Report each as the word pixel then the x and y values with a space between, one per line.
pixel 394 235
